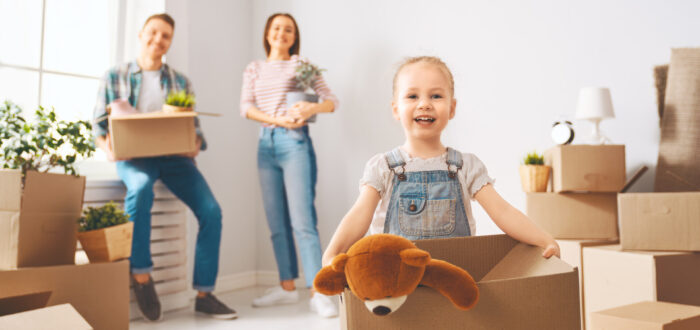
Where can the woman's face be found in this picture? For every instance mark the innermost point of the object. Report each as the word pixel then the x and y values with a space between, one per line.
pixel 280 36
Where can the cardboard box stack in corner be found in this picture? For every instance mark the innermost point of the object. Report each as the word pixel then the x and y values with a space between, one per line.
pixel 38 225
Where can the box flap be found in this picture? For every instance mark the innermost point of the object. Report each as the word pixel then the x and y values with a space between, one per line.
pixel 10 190
pixel 50 192
pixel 9 239
pixel 24 302
pixel 47 239
pixel 154 115
pixel 475 254
pixel 526 261
pixel 59 317
pixel 655 312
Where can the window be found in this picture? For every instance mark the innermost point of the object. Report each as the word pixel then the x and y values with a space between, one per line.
pixel 55 51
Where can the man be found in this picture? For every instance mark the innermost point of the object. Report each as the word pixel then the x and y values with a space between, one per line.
pixel 145 83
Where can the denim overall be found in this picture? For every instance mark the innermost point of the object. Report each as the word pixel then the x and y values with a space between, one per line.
pixel 426 204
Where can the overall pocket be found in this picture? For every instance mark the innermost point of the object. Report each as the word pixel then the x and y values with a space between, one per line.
pixel 421 217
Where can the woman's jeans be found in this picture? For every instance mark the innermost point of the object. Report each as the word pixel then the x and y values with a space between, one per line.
pixel 184 180
pixel 287 169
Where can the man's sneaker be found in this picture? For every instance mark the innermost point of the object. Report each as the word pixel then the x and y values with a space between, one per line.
pixel 323 305
pixel 147 299
pixel 276 296
pixel 212 307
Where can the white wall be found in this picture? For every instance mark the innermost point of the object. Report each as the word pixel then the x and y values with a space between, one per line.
pixel 518 66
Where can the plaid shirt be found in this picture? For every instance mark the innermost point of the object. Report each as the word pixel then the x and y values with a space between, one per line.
pixel 124 82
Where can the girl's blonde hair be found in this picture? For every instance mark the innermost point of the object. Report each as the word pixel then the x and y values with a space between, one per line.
pixel 430 60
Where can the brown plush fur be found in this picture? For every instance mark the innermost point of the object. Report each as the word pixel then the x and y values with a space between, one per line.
pixel 384 265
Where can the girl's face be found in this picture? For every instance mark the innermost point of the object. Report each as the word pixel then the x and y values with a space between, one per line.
pixel 423 102
pixel 281 34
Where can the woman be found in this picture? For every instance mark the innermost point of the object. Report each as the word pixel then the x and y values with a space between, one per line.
pixel 286 160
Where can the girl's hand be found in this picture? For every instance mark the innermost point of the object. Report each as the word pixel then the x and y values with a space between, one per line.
pixel 551 249
pixel 301 111
pixel 288 122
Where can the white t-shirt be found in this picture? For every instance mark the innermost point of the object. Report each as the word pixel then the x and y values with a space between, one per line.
pixel 151 95
pixel 472 177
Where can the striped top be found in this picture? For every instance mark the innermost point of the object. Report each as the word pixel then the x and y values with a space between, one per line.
pixel 265 85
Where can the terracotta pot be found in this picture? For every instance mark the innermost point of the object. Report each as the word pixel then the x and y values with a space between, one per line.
pixel 534 178
pixel 171 108
pixel 107 244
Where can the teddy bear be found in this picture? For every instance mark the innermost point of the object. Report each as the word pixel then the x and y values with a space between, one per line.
pixel 382 269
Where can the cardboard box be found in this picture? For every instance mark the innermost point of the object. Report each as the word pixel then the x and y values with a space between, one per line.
pixel 572 254
pixel 99 292
pixel 38 222
pixel 574 215
pixel 519 289
pixel 615 278
pixel 597 168
pixel 648 315
pixel 660 221
pixel 59 317
pixel 152 134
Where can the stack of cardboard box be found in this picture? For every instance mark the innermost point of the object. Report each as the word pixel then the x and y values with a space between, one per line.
pixel 37 251
pixel 650 257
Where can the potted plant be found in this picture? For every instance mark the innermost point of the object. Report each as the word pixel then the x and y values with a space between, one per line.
pixel 178 102
pixel 306 74
pixel 105 233
pixel 534 175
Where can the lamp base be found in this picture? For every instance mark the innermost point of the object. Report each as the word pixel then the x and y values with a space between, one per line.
pixel 596 136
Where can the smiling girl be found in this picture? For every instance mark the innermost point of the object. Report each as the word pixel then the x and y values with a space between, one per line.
pixel 422 187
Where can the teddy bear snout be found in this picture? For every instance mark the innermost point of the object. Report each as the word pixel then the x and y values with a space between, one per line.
pixel 386 306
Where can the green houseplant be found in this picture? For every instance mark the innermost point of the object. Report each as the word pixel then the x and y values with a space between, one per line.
pixel 305 76
pixel 534 175
pixel 179 102
pixel 105 233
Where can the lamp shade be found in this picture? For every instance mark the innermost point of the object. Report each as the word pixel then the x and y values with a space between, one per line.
pixel 594 103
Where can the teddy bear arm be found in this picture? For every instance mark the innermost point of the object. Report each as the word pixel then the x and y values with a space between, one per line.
pixel 453 282
pixel 329 282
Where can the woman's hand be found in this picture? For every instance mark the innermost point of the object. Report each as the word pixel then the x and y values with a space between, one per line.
pixel 551 249
pixel 288 122
pixel 301 111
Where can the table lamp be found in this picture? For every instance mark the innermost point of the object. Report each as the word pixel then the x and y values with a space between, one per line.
pixel 595 104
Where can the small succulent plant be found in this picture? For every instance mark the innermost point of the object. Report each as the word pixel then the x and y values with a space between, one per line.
pixel 107 215
pixel 180 99
pixel 306 74
pixel 533 158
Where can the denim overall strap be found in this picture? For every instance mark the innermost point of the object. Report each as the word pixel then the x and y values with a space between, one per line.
pixel 395 160
pixel 427 204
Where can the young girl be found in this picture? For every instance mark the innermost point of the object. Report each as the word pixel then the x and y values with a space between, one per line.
pixel 422 187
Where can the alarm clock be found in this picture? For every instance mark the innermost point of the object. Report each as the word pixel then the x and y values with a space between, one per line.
pixel 562 132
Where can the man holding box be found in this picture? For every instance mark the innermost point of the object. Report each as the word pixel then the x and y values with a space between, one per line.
pixel 144 84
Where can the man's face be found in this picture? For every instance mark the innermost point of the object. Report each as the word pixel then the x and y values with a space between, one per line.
pixel 155 38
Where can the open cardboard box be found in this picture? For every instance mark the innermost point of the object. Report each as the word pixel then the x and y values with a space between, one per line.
pixel 615 278
pixel 648 315
pixel 99 292
pixel 38 222
pixel 152 134
pixel 660 221
pixel 59 317
pixel 593 168
pixel 519 289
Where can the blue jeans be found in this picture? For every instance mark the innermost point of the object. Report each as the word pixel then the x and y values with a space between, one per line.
pixel 184 180
pixel 287 169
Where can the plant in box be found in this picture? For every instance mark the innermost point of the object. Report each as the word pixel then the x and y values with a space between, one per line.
pixel 179 102
pixel 534 175
pixel 105 233
pixel 306 75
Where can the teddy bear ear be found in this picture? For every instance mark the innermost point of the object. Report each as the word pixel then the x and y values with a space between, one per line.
pixel 415 257
pixel 339 262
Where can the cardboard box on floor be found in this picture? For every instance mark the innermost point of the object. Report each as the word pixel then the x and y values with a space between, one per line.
pixel 648 315
pixel 38 222
pixel 152 134
pixel 572 254
pixel 660 221
pixel 615 278
pixel 574 215
pixel 518 288
pixel 99 292
pixel 59 317
pixel 595 168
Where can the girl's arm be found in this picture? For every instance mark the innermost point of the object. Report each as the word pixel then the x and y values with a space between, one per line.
pixel 354 225
pixel 515 223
